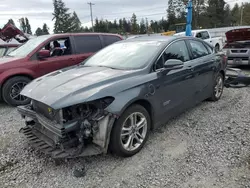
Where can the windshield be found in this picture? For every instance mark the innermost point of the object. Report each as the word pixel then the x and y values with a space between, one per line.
pixel 125 55
pixel 28 47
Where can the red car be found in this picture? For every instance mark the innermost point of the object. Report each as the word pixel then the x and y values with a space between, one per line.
pixel 44 54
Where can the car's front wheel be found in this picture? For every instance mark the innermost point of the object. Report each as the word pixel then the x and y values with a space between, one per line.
pixel 130 132
pixel 12 88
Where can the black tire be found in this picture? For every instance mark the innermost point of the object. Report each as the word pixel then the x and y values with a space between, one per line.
pixel 215 97
pixel 115 145
pixel 7 87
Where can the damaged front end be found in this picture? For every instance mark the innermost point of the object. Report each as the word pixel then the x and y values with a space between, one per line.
pixel 75 131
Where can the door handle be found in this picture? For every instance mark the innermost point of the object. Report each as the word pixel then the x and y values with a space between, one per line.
pixel 191 68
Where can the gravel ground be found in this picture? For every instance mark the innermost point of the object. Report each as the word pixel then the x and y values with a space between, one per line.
pixel 208 146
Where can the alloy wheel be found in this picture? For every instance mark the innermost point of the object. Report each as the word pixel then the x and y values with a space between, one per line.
pixel 134 131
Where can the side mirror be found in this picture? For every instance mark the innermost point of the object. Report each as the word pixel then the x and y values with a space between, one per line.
pixel 42 54
pixel 173 64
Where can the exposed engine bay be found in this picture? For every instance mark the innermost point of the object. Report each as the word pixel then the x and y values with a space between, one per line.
pixel 78 130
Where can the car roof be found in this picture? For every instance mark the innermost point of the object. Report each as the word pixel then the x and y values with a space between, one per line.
pixel 80 34
pixel 163 39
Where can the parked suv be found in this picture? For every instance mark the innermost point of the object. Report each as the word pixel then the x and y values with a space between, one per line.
pixel 45 54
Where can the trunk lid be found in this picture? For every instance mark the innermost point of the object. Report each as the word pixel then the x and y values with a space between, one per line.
pixel 10 31
pixel 237 35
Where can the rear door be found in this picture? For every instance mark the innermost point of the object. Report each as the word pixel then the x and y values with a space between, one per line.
pixel 203 60
pixel 85 46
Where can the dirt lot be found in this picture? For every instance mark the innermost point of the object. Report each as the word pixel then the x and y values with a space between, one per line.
pixel 207 146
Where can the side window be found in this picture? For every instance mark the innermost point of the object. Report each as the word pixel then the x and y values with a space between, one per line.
pixel 59 47
pixel 209 48
pixel 198 35
pixel 198 49
pixel 177 50
pixel 204 35
pixel 87 43
pixel 109 39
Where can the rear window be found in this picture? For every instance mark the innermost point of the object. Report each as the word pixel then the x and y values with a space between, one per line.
pixel 108 39
pixel 87 43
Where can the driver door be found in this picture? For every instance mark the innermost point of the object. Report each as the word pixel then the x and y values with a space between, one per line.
pixel 175 87
pixel 53 63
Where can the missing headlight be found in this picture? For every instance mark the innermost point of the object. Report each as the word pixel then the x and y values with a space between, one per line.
pixel 91 110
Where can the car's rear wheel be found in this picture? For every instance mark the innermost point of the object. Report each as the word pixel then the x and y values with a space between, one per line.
pixel 12 88
pixel 218 87
pixel 130 132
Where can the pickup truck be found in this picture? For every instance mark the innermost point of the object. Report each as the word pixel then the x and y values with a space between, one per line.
pixel 216 42
pixel 44 54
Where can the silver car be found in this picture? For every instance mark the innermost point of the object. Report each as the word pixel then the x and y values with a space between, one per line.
pixel 237 47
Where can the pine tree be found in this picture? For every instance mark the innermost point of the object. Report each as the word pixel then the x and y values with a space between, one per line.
pixel 62 17
pixel 28 27
pixel 134 28
pixel 171 13
pixel 39 31
pixel 235 15
pixel 142 26
pixel 23 25
pixel 10 21
pixel 76 23
pixel 45 29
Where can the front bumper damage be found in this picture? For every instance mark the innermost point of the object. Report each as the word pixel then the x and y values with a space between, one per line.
pixel 59 141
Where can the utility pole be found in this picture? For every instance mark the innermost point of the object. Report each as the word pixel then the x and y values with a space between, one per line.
pixel 241 16
pixel 90 6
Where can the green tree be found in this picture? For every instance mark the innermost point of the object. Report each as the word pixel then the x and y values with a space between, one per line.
pixel 246 14
pixel 171 14
pixel 62 17
pixel 25 26
pixel 10 21
pixel 142 26
pixel 134 26
pixel 235 15
pixel 39 31
pixel 28 27
pixel 45 29
pixel 76 24
pixel 227 16
pixel 215 12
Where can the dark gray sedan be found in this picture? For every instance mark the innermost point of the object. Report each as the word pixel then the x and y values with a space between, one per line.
pixel 113 99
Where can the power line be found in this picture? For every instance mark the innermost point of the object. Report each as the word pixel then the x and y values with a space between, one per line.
pixel 90 6
pixel 131 12
pixel 140 16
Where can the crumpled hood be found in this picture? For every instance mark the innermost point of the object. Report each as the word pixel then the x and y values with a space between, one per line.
pixel 73 85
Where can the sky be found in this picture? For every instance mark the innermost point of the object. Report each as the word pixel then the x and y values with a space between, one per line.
pixel 40 11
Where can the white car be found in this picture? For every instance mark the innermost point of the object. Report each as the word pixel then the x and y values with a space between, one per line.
pixel 216 42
